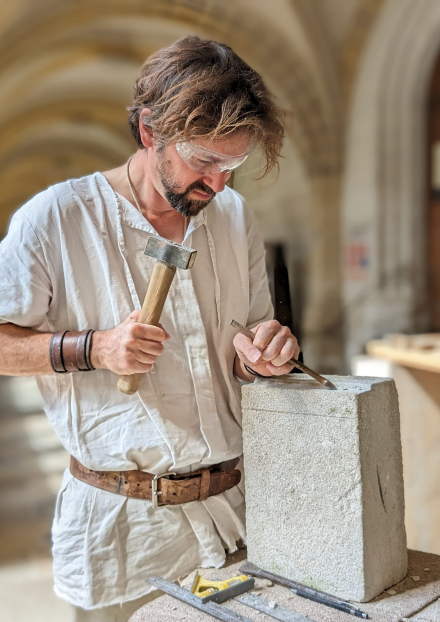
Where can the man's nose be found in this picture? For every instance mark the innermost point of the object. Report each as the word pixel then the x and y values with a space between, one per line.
pixel 218 181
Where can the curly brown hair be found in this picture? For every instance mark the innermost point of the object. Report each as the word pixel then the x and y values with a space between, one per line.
pixel 202 89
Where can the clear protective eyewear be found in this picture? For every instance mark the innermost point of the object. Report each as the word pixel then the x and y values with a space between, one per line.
pixel 203 160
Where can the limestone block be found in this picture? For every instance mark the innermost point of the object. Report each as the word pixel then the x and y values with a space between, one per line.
pixel 324 484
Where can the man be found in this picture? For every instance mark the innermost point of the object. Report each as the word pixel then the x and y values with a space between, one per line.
pixel 73 261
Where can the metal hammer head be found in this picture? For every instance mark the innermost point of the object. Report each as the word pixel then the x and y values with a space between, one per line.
pixel 170 252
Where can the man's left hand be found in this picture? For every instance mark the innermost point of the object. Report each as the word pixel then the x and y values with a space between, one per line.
pixel 268 354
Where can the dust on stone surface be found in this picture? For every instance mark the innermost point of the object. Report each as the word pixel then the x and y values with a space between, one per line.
pixel 410 598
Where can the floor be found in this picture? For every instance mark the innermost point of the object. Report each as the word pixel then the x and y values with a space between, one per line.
pixel 32 462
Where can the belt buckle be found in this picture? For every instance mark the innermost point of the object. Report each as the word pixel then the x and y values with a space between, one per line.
pixel 154 492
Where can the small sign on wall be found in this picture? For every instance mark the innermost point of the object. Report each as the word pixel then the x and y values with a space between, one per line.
pixel 357 260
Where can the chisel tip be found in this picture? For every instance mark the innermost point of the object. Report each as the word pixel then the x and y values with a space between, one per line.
pixel 330 385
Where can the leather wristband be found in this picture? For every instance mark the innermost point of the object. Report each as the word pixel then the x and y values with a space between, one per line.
pixel 70 351
pixel 87 350
pixel 56 352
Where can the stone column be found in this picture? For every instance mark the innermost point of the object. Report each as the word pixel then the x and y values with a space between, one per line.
pixel 323 339
pixel 324 484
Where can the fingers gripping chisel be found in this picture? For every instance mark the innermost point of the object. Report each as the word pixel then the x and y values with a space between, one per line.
pixel 324 381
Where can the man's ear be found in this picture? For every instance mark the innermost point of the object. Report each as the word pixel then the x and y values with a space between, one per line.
pixel 144 130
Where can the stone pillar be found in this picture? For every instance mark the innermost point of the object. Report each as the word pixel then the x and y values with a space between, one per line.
pixel 324 485
pixel 323 338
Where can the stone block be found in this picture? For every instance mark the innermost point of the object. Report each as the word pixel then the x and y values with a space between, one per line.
pixel 324 484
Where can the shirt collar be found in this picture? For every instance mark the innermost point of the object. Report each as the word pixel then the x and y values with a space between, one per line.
pixel 131 216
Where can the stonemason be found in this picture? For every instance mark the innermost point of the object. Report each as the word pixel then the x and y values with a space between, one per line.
pixel 324 484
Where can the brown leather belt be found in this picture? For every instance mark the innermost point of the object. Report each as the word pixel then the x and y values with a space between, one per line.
pixel 172 489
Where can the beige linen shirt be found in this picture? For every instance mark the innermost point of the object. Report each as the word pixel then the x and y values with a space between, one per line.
pixel 73 259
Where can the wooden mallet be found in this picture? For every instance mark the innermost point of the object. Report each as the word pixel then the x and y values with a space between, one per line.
pixel 169 256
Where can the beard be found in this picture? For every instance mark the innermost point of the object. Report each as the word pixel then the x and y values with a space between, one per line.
pixel 180 201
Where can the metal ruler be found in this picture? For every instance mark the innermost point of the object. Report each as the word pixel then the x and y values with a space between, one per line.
pixel 211 608
pixel 223 613
pixel 277 612
pixel 303 590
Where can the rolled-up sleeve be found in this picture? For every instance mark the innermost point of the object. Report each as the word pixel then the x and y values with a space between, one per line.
pixel 25 286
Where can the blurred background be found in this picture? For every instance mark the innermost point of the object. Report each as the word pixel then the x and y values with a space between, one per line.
pixel 351 222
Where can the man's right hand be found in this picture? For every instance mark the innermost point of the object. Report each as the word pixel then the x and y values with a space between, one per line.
pixel 129 348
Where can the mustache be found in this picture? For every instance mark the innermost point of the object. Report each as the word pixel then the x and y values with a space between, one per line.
pixel 202 187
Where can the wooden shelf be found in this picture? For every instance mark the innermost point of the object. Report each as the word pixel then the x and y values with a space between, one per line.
pixel 410 356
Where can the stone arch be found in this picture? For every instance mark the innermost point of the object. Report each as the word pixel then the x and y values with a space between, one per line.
pixel 107 41
pixel 365 18
pixel 384 186
pixel 270 51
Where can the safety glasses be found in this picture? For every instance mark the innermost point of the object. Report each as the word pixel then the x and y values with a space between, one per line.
pixel 203 160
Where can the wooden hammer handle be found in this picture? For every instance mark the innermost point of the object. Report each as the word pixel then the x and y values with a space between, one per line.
pixel 158 288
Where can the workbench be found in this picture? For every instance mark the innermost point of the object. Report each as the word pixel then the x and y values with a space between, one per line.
pixel 415 598
pixel 413 361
